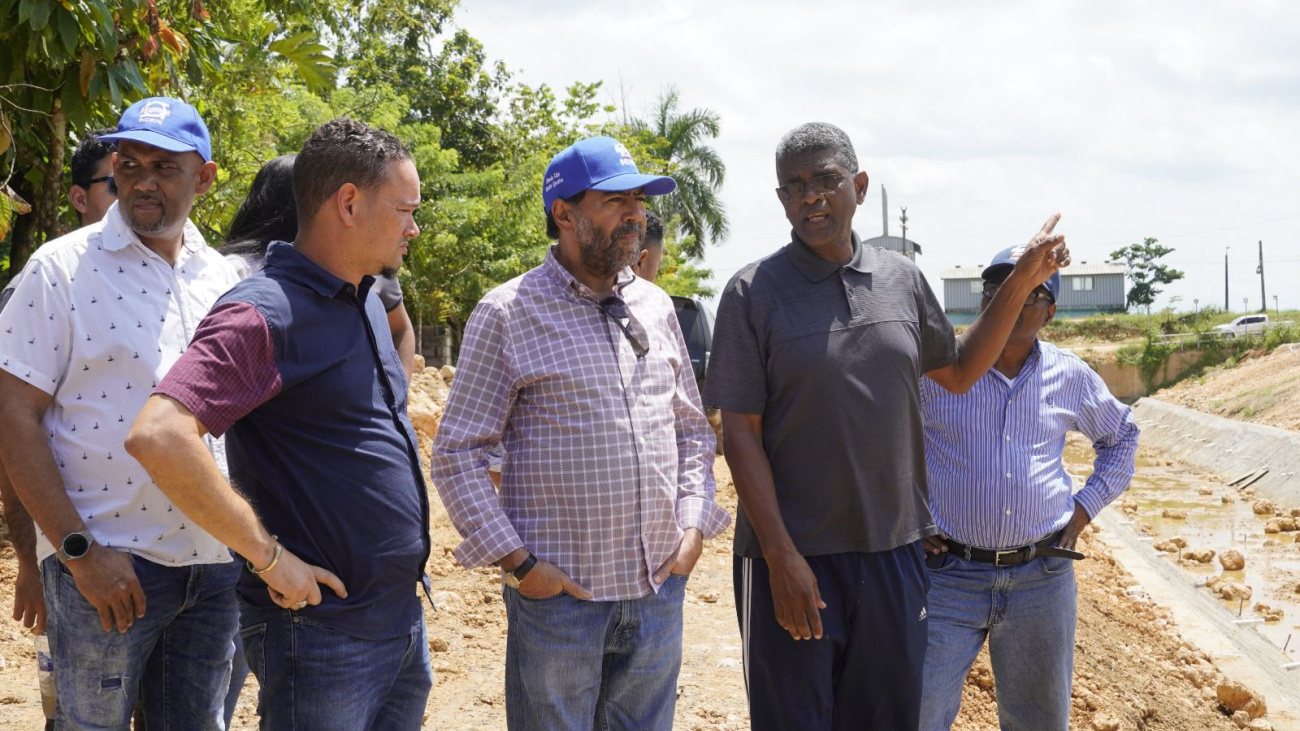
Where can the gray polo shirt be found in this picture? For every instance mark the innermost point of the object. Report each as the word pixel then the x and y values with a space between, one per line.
pixel 831 357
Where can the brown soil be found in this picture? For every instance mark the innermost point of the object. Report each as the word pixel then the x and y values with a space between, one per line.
pixel 1132 669
pixel 1263 390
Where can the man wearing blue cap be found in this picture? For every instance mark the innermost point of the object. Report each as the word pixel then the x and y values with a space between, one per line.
pixel 579 369
pixel 1002 567
pixel 140 600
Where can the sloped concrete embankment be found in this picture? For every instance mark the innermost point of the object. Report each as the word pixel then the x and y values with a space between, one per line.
pixel 1228 448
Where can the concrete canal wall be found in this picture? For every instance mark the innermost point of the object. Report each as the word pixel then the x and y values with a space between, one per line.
pixel 1225 447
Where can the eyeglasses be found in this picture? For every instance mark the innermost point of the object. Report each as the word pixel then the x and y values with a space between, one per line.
pixel 615 309
pixel 821 185
pixel 991 290
pixel 112 183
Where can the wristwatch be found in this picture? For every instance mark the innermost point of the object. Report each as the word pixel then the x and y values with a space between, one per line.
pixel 512 578
pixel 74 546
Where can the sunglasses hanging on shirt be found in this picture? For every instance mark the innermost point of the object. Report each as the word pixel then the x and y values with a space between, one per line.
pixel 616 310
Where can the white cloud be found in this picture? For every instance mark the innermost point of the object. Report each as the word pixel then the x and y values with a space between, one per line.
pixel 1173 120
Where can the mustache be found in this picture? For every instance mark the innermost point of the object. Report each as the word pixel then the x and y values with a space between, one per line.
pixel 631 227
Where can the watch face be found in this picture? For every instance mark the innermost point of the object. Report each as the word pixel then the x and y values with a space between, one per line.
pixel 75 545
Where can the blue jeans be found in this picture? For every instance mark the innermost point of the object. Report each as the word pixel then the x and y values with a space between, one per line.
pixel 573 664
pixel 316 678
pixel 177 656
pixel 238 674
pixel 1027 612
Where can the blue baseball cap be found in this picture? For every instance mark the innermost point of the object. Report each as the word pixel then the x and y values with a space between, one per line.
pixel 166 123
pixel 598 163
pixel 1006 260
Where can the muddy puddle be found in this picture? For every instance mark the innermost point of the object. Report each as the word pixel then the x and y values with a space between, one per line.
pixel 1170 501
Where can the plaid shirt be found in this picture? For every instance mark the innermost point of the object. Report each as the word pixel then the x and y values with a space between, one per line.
pixel 608 456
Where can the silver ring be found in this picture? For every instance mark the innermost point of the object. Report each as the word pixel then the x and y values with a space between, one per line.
pixel 299 605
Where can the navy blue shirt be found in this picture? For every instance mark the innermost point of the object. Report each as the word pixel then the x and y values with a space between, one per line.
pixel 298 369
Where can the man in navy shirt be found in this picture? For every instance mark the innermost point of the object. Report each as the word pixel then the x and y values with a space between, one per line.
pixel 297 367
pixel 1002 567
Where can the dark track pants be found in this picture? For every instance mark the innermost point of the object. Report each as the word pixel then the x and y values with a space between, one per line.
pixel 865 672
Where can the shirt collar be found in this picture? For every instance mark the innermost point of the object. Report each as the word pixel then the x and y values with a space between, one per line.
pixel 283 256
pixel 563 278
pixel 117 235
pixel 816 268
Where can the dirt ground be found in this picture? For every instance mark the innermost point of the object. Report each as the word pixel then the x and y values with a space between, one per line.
pixel 1262 390
pixel 1132 669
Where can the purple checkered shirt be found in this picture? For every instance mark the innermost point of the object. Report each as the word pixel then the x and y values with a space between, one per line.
pixel 609 457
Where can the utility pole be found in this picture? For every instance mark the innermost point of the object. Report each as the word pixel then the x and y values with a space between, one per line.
pixel 884 209
pixel 1226 306
pixel 1263 300
pixel 907 250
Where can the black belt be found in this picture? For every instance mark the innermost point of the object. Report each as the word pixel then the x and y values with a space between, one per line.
pixel 1013 556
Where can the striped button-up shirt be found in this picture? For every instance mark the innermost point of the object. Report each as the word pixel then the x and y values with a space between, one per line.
pixel 609 457
pixel 994 455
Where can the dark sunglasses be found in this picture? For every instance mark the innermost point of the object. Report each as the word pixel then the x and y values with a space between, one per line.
pixel 112 183
pixel 820 186
pixel 991 291
pixel 616 310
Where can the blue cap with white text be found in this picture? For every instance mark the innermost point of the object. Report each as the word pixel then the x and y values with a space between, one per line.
pixel 166 123
pixel 1006 260
pixel 598 163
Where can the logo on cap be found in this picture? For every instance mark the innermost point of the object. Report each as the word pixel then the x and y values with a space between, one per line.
pixel 624 157
pixel 1017 252
pixel 155 111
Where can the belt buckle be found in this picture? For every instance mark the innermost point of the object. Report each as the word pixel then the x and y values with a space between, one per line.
pixel 997 556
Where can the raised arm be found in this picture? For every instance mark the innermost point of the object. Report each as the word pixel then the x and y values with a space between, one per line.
pixel 981 343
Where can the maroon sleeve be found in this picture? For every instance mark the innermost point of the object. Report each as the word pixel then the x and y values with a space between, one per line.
pixel 229 368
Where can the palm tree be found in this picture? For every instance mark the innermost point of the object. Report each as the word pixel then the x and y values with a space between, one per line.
pixel 698 169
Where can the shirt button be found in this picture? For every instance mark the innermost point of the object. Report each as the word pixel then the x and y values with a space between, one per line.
pixel 1008 511
pixel 1007 437
pixel 1008 475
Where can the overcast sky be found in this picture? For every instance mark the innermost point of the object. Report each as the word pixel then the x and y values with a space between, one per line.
pixel 1178 120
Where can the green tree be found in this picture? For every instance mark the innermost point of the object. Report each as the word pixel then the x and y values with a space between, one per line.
pixel 67 67
pixel 680 140
pixel 1148 275
pixel 677 275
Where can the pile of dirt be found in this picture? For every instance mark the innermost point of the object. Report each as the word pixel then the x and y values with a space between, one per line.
pixel 1132 669
pixel 1262 390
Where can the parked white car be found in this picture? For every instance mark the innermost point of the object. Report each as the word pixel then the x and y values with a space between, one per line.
pixel 1244 325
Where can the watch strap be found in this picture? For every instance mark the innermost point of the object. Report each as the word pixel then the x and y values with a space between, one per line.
pixel 523 568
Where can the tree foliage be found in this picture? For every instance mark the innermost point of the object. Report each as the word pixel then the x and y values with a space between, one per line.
pixel 677 274
pixel 679 140
pixel 1148 275
pixel 263 74
pixel 68 67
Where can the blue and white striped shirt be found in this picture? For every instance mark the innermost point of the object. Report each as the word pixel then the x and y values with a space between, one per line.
pixel 993 455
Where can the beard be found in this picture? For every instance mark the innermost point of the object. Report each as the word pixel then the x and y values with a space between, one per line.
pixel 145 227
pixel 606 257
pixel 388 272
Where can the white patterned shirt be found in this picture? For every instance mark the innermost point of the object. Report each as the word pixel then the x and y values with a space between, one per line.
pixel 610 455
pixel 96 322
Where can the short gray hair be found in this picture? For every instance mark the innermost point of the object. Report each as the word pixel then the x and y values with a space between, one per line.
pixel 815 137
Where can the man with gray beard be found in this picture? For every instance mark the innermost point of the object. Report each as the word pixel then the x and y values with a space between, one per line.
pixel 579 369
